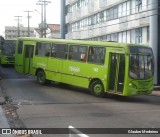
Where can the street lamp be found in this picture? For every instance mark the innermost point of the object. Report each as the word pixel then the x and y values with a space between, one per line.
pixel 40 26
pixel 37 11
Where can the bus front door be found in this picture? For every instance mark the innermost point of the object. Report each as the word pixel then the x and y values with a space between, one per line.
pixel 117 72
pixel 28 59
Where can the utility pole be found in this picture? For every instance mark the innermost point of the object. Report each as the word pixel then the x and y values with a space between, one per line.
pixel 28 22
pixel 18 29
pixel 40 25
pixel 43 22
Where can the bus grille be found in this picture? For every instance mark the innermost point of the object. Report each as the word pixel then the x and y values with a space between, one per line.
pixel 10 58
pixel 143 85
pixel 143 92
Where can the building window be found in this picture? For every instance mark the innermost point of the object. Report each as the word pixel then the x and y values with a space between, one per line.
pixel 89 21
pixel 138 5
pixel 122 37
pixel 111 14
pixel 114 37
pixel 124 9
pixel 107 15
pixel 115 12
pixel 148 31
pixel 108 37
pixel 95 19
pixel 102 16
pixel 138 33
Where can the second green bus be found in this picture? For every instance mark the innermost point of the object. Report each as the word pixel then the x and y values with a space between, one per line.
pixel 7 52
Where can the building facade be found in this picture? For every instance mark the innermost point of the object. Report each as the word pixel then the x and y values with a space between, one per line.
pixel 125 21
pixel 12 32
pixel 53 31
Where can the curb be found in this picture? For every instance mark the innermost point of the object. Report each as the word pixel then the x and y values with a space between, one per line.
pixel 4 123
pixel 2 98
pixel 155 92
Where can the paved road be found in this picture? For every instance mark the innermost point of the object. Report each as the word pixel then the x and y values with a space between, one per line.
pixel 54 106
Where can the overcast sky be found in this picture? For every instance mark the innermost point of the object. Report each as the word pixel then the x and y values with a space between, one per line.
pixel 11 8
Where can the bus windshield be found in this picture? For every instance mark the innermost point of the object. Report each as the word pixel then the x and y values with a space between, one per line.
pixel 141 63
pixel 8 50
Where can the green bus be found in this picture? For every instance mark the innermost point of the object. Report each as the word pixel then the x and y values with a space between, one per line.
pixel 7 51
pixel 102 67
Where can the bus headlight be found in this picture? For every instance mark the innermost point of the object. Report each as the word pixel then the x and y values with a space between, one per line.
pixel 132 85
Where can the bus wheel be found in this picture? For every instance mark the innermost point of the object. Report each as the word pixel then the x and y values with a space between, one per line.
pixel 41 77
pixel 97 88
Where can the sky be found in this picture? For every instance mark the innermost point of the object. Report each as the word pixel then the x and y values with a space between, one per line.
pixel 11 8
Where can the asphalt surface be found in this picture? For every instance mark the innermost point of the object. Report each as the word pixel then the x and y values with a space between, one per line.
pixel 3 119
pixel 4 122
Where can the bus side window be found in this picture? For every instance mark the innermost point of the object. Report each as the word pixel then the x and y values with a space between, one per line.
pixel 91 54
pixel 53 50
pixel 73 50
pixel 20 47
pixel 37 47
pixel 43 49
pixel 83 53
pixel 59 51
pixel 77 53
pixel 96 55
pixel 70 56
pixel 47 49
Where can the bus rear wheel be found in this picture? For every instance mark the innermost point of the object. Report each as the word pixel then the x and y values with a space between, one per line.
pixel 41 77
pixel 97 88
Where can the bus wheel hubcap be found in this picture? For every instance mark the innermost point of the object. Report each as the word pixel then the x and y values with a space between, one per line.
pixel 98 88
pixel 41 77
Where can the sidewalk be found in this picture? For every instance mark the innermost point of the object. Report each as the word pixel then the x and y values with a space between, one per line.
pixel 156 91
pixel 2 98
pixel 3 119
pixel 4 123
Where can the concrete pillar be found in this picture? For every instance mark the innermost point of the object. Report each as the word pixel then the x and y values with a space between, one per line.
pixel 63 19
pixel 158 43
pixel 153 5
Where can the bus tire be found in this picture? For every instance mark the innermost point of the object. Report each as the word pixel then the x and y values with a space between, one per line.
pixel 97 88
pixel 41 77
